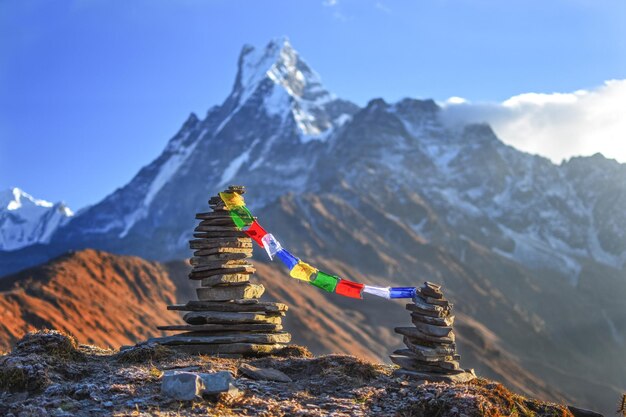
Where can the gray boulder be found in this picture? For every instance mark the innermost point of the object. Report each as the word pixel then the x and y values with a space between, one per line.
pixel 188 386
pixel 182 386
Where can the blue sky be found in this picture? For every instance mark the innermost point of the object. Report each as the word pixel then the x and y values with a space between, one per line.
pixel 90 91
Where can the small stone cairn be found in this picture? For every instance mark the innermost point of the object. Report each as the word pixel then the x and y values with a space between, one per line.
pixel 227 319
pixel 431 348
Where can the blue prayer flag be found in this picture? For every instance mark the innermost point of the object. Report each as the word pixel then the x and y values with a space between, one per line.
pixel 288 259
pixel 401 292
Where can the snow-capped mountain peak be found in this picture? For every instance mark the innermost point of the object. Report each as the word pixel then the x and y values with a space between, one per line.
pixel 26 220
pixel 280 63
pixel 287 85
pixel 14 199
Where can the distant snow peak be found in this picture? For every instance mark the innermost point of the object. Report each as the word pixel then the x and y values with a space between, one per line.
pixel 14 198
pixel 26 220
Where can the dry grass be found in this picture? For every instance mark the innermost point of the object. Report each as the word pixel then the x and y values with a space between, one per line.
pixel 52 343
pixel 500 402
pixel 145 354
pixel 294 351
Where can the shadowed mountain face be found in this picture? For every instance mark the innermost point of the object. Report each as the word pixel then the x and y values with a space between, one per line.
pixel 531 252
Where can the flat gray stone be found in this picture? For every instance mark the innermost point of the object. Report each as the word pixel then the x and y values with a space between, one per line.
pixel 225 279
pixel 429 329
pixel 263 374
pixel 438 312
pixel 412 364
pixel 429 294
pixel 466 376
pixel 421 303
pixel 414 334
pixel 217 221
pixel 223 317
pixel 182 386
pixel 230 292
pixel 245 349
pixel 214 235
pixel 424 358
pixel 218 382
pixel 445 350
pixel 209 265
pixel 222 228
pixel 437 301
pixel 266 327
pixel 437 321
pixel 262 338
pixel 217 257
pixel 214 215
pixel 231 306
pixel 234 242
pixel 222 249
pixel 234 269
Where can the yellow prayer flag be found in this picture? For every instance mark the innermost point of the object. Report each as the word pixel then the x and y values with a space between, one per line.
pixel 232 200
pixel 302 271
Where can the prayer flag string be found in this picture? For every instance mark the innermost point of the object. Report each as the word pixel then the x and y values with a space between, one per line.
pixel 299 269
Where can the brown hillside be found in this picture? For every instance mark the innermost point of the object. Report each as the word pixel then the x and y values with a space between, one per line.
pixel 100 298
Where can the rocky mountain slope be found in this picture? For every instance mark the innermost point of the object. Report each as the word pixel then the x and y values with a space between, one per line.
pixel 100 298
pixel 58 377
pixel 25 220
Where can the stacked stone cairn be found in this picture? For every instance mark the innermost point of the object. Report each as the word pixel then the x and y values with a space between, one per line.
pixel 228 319
pixel 431 348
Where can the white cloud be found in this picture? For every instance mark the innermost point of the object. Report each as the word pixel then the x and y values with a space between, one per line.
pixel 456 100
pixel 383 7
pixel 336 10
pixel 556 125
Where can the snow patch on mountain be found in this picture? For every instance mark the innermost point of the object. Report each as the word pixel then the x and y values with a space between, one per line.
pixel 178 154
pixel 532 251
pixel 595 248
pixel 236 164
pixel 615 334
pixel 26 220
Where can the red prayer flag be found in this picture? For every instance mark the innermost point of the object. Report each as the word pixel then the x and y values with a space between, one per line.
pixel 256 232
pixel 349 288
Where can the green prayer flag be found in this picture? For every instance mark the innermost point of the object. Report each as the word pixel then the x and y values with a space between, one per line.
pixel 325 281
pixel 241 216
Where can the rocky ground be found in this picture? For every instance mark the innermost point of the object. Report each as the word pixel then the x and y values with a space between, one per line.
pixel 49 374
